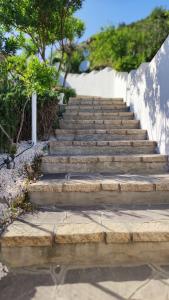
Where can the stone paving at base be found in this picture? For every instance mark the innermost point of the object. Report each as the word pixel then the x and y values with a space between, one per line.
pixel 146 282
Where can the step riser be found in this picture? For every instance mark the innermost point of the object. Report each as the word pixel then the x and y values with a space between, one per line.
pixel 87 254
pixel 62 132
pixel 96 110
pixel 100 137
pixel 110 106
pixel 98 98
pixel 95 102
pixel 101 167
pixel 98 198
pixel 101 117
pixel 98 150
pixel 99 126
pixel 98 114
pixel 99 122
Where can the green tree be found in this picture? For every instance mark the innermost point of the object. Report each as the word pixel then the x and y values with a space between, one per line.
pixel 124 48
pixel 44 21
pixel 31 26
pixel 68 47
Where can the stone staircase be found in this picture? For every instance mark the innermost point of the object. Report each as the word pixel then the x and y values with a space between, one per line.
pixel 103 198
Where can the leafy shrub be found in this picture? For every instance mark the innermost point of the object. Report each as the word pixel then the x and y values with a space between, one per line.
pixel 68 92
pixel 20 77
pixel 127 46
pixel 11 106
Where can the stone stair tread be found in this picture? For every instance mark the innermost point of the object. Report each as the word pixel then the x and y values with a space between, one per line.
pixel 95 103
pixel 101 131
pixel 90 114
pixel 97 109
pixel 117 158
pixel 100 135
pixel 98 116
pixel 99 124
pixel 102 147
pixel 101 182
pixel 46 228
pixel 93 122
pixel 117 164
pixel 79 97
pixel 123 143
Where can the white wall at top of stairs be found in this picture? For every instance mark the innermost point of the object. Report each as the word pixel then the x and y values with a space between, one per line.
pixel 106 83
pixel 146 91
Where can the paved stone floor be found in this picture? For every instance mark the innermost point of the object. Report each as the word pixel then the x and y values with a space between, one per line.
pixel 147 282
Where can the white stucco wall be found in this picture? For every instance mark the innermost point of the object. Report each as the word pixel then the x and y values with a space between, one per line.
pixel 106 83
pixel 148 97
pixel 146 91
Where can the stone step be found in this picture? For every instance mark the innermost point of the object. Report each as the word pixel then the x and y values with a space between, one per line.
pixel 99 124
pixel 93 107
pixel 100 135
pixel 94 101
pixel 99 116
pixel 119 164
pixel 100 189
pixel 87 237
pixel 83 97
pixel 97 103
pixel 101 147
pixel 96 109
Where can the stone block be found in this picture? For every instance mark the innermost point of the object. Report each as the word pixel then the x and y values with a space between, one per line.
pixel 110 185
pixel 136 187
pixel 76 233
pixel 82 186
pixel 153 231
pixel 116 232
pixel 20 235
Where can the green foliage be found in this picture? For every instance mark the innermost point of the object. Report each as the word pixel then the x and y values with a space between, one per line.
pixel 45 22
pixel 124 48
pixel 21 205
pixel 11 105
pixel 12 100
pixel 32 74
pixel 68 92
pixel 9 44
pixel 34 170
pixel 69 54
pixel 74 28
pixel 39 77
pixel 76 59
pixel 31 26
pixel 21 77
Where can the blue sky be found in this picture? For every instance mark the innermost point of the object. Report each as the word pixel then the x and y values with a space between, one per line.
pixel 100 13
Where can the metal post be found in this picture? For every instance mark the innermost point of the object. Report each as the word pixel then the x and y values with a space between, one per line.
pixel 34 118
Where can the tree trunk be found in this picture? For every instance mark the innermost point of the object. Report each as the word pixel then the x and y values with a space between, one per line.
pixel 22 121
pixel 65 77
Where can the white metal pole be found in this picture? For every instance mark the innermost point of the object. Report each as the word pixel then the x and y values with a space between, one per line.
pixel 34 118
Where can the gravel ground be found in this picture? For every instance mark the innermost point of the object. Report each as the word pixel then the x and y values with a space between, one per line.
pixel 11 181
pixel 3 271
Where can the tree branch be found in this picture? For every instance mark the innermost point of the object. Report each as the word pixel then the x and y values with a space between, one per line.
pixel 7 135
pixel 22 120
